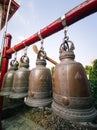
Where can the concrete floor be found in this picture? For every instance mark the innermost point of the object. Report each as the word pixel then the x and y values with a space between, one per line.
pixel 19 122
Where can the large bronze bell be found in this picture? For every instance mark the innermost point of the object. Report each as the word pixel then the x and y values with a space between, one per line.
pixel 40 85
pixel 71 90
pixel 21 79
pixel 8 79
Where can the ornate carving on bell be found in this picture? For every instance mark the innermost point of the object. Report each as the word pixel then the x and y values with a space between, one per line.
pixel 8 79
pixel 40 85
pixel 71 91
pixel 21 79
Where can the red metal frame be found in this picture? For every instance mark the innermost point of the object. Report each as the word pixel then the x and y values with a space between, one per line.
pixel 4 69
pixel 79 12
pixel 5 57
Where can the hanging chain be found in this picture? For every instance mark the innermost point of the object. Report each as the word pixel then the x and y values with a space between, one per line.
pixel 14 62
pixel 24 58
pixel 42 41
pixel 66 38
pixel 25 50
pixel 42 48
pixel 15 55
pixel 67 45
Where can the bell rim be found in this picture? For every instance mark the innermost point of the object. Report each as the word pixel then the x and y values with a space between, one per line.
pixel 4 93
pixel 17 95
pixel 37 103
pixel 73 114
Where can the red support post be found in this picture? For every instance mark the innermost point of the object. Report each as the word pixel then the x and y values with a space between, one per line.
pixel 4 70
pixel 86 8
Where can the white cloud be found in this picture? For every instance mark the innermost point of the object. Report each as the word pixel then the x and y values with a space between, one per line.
pixel 21 38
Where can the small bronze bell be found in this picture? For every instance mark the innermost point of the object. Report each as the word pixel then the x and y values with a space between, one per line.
pixel 21 79
pixel 40 85
pixel 8 79
pixel 71 92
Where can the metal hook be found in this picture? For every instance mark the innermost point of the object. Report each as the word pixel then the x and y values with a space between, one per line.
pixel 67 45
pixel 26 47
pixel 15 54
pixel 39 34
pixel 66 38
pixel 25 50
pixel 65 31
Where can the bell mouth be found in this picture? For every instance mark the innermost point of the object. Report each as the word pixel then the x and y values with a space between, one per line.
pixel 37 102
pixel 5 91
pixel 2 93
pixel 18 95
pixel 75 115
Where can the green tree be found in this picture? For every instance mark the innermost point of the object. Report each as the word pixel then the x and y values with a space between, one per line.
pixel 92 72
pixel 52 70
pixel 88 69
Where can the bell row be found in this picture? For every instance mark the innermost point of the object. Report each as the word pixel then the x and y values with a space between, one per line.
pixel 67 91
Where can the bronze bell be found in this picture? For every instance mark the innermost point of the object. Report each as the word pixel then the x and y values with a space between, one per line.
pixel 8 78
pixel 40 85
pixel 21 79
pixel 71 91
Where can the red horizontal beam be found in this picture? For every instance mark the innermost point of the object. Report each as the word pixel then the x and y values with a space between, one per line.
pixel 81 11
pixel 86 8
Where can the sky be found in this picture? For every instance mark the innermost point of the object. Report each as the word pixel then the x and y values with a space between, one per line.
pixel 34 15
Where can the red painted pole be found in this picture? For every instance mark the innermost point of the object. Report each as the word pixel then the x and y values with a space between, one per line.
pixel 86 8
pixel 81 11
pixel 4 70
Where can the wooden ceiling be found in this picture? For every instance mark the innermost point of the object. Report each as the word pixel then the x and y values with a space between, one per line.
pixel 13 8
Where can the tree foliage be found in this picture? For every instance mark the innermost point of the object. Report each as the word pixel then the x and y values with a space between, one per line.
pixel 92 72
pixel 52 70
